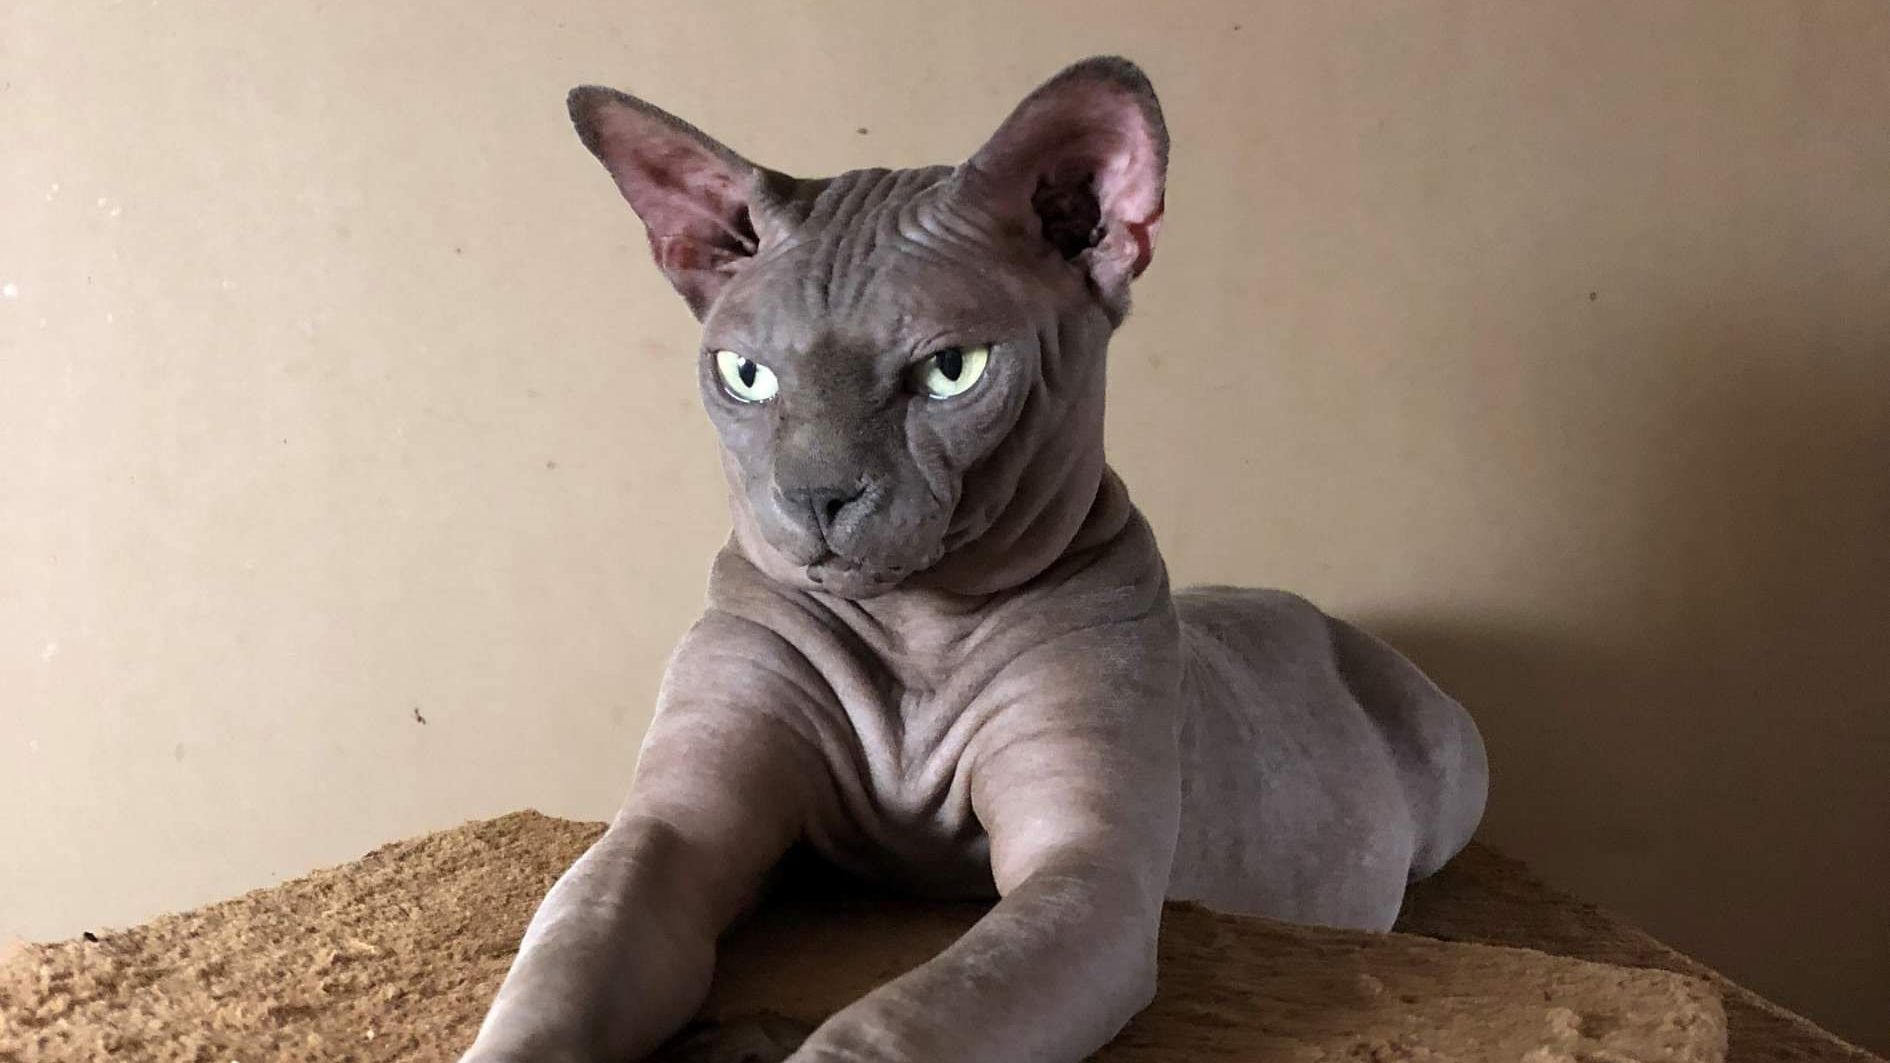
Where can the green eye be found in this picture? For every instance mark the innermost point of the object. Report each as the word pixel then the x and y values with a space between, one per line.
pixel 952 371
pixel 745 380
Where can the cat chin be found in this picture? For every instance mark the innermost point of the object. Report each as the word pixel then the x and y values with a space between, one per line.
pixel 854 578
pixel 853 587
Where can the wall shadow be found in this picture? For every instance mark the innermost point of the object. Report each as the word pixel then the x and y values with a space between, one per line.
pixel 1715 763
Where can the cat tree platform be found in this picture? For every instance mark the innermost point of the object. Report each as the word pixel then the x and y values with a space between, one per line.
pixel 395 956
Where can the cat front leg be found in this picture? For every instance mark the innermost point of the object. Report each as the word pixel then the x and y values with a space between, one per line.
pixel 1078 790
pixel 619 955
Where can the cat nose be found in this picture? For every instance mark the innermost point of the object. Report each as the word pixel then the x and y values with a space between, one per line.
pixel 828 506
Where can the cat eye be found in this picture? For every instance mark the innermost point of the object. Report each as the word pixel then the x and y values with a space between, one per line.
pixel 953 371
pixel 744 379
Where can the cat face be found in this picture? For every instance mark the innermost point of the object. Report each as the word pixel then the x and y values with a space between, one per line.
pixel 905 367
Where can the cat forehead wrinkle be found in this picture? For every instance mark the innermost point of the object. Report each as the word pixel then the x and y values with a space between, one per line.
pixel 895 321
pixel 882 262
pixel 856 233
pixel 849 197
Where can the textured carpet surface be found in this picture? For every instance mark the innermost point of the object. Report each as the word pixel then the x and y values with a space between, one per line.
pixel 1243 989
pixel 1484 896
pixel 394 957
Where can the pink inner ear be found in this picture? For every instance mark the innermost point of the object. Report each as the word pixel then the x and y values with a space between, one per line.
pixel 685 194
pixel 1088 130
pixel 675 253
pixel 1144 233
pixel 1129 175
pixel 692 193
pixel 1129 185
pixel 1110 140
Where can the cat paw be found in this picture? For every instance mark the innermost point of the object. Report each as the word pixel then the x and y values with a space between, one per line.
pixel 764 1038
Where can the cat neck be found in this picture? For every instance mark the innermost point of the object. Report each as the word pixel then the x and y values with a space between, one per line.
pixel 1078 517
pixel 1101 566
pixel 1106 567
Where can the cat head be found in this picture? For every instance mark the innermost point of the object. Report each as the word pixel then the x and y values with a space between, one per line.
pixel 905 367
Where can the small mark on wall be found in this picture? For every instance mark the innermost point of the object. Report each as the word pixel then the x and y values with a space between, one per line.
pixel 417 718
pixel 551 465
pixel 177 752
pixel 861 131
pixel 1592 296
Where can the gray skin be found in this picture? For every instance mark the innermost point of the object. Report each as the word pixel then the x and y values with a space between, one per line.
pixel 940 649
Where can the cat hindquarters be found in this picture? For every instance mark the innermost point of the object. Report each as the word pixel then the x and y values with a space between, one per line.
pixel 1325 771
pixel 1435 744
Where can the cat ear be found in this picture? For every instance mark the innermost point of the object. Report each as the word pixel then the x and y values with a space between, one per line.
pixel 1082 163
pixel 699 200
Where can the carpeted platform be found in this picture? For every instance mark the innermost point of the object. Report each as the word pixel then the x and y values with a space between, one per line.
pixel 394 957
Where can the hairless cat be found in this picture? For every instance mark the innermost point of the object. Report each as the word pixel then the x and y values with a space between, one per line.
pixel 939 648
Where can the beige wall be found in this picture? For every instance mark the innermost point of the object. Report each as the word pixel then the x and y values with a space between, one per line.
pixel 336 392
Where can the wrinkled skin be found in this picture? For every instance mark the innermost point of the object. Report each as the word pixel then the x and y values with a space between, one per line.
pixel 843 333
pixel 940 648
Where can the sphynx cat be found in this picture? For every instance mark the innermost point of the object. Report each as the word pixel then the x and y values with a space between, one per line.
pixel 939 648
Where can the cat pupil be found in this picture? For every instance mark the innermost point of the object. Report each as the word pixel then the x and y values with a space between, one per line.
pixel 746 370
pixel 951 363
